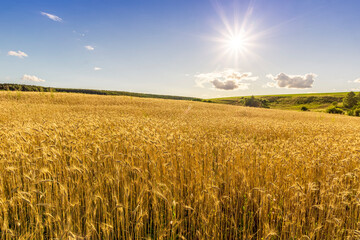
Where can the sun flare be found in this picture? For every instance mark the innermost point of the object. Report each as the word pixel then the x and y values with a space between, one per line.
pixel 236 43
pixel 238 35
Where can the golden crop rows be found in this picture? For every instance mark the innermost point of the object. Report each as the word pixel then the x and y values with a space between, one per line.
pixel 78 166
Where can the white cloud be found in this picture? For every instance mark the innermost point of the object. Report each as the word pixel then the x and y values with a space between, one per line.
pixel 97 68
pixel 357 80
pixel 52 17
pixel 19 54
pixel 32 78
pixel 229 85
pixel 90 48
pixel 283 80
pixel 229 79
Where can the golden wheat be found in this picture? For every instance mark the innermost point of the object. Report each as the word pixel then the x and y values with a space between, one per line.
pixel 78 166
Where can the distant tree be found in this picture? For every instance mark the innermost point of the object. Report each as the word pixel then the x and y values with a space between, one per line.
pixel 350 100
pixel 264 103
pixel 334 110
pixel 252 102
pixel 303 108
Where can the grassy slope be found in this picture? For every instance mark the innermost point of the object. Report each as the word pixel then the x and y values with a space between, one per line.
pixel 313 101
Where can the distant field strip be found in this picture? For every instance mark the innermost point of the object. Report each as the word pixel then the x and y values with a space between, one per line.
pixel 313 101
pixel 75 166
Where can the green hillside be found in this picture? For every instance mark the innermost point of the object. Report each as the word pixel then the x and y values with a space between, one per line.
pixel 313 101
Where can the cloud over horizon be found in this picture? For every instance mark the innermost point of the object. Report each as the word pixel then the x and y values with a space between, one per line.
pixel 97 68
pixel 52 17
pixel 90 48
pixel 229 79
pixel 357 80
pixel 18 54
pixel 282 80
pixel 32 78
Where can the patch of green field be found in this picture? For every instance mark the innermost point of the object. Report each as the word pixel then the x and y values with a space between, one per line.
pixel 313 101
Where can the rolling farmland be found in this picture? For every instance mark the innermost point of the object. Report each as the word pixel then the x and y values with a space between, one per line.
pixel 77 166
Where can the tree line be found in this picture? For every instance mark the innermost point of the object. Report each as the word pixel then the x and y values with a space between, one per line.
pixel 31 88
pixel 350 105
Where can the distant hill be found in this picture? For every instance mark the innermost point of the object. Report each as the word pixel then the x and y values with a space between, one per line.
pixel 31 88
pixel 313 101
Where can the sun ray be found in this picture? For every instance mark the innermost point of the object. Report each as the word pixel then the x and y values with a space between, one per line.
pixel 240 39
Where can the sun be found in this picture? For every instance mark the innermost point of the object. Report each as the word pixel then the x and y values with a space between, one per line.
pixel 236 43
pixel 238 35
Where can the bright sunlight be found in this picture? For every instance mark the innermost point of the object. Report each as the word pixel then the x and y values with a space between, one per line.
pixel 236 43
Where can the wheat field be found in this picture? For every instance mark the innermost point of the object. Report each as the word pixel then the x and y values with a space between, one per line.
pixel 76 166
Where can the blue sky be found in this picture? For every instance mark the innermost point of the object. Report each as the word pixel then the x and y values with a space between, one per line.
pixel 182 47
